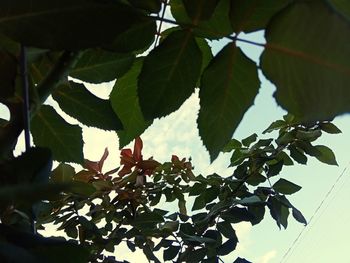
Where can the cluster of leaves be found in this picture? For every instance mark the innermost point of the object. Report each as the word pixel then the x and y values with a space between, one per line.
pixel 97 41
pixel 104 210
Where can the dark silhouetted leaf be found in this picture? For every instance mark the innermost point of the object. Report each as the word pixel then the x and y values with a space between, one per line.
pixel 50 130
pixel 169 75
pixel 75 100
pixel 249 140
pixel 278 211
pixel 330 128
pixel 276 125
pixel 63 173
pixel 227 247
pixel 241 260
pixel 297 155
pixel 44 25
pixel 171 252
pixel 283 186
pixel 229 76
pixel 275 169
pixel 310 57
pixel 8 71
pixel 227 230
pixel 136 39
pixel 298 216
pixel 97 65
pixel 200 9
pixel 216 27
pixel 253 15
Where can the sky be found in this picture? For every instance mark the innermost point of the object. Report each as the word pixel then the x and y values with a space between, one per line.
pixel 325 239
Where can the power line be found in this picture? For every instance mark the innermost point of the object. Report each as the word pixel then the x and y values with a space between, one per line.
pixel 289 251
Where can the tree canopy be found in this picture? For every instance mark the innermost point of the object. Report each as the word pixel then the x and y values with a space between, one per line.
pixel 53 48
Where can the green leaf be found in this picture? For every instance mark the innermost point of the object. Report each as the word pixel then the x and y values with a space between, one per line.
pixel 278 211
pixel 150 219
pixel 298 216
pixel 169 74
pixel 226 230
pixel 237 215
pixel 50 130
pixel 249 140
pixel 310 135
pixel 97 65
pixel 227 247
pixel 63 173
pixel 171 252
pixel 228 88
pixel 315 61
pixel 232 145
pixel 330 128
pixel 327 156
pixel 125 103
pixel 308 148
pixel 200 9
pixel 297 155
pixel 75 100
pixel 8 71
pixel 286 187
pixel 66 24
pixel 216 27
pixel 81 188
pixel 275 169
pixel 253 15
pixel 276 125
pixel 199 202
pixel 136 39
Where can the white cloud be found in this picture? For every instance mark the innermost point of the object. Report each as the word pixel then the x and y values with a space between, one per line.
pixel 267 257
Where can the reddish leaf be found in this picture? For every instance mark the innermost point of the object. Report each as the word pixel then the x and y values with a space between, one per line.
pixel 137 149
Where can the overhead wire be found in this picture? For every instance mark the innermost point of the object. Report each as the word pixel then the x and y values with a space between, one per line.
pixel 307 228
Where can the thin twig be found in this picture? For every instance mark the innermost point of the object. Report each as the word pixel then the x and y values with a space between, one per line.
pixel 233 38
pixel 165 4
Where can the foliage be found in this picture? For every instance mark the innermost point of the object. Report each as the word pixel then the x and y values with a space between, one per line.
pixel 101 40
pixel 124 208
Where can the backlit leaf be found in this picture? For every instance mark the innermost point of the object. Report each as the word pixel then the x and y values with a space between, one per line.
pixel 326 155
pixel 286 187
pixel 252 15
pixel 78 102
pixel 228 88
pixel 97 65
pixel 125 103
pixel 313 72
pixel 50 130
pixel 169 74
